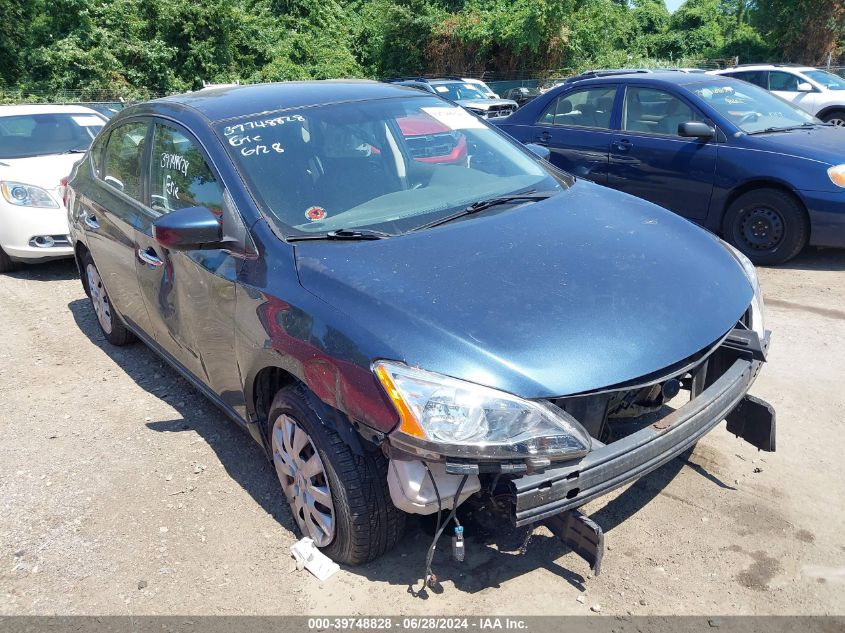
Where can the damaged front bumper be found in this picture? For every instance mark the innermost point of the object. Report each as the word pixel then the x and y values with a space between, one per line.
pixel 539 496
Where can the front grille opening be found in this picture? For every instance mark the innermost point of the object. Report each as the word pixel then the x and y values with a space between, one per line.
pixel 613 414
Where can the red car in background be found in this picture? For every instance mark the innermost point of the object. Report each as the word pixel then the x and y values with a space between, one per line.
pixel 432 142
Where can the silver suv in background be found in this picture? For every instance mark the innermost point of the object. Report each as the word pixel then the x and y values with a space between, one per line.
pixel 819 92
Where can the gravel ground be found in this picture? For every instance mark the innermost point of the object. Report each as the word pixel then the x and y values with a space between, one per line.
pixel 124 492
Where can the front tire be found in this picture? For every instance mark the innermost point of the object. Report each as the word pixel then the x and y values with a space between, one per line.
pixel 8 265
pixel 338 498
pixel 768 225
pixel 109 321
pixel 836 117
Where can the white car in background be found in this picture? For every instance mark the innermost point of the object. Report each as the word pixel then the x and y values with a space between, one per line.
pixel 39 145
pixel 819 92
pixel 488 92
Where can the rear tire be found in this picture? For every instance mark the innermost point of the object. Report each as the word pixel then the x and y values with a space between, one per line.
pixel 836 117
pixel 768 225
pixel 355 521
pixel 8 265
pixel 109 321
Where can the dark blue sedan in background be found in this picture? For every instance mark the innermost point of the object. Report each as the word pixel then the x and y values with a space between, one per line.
pixel 726 154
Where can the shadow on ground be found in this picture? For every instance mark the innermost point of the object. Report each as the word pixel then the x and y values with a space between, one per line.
pixel 813 258
pixel 493 546
pixel 242 458
pixel 57 270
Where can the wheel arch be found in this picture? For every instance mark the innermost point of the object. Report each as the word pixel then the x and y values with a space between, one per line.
pixel 269 380
pixel 763 183
pixel 833 108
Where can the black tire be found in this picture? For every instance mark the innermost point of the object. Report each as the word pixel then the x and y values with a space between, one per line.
pixel 366 523
pixel 837 117
pixel 8 265
pixel 112 327
pixel 768 225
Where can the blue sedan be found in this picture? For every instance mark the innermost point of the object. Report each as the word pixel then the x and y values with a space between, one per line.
pixel 726 154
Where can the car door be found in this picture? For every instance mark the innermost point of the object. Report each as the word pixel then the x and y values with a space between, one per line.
pixel 649 160
pixel 785 85
pixel 576 127
pixel 190 295
pixel 110 207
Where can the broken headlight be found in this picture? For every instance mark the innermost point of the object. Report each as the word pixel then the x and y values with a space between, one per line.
pixel 758 309
pixel 443 416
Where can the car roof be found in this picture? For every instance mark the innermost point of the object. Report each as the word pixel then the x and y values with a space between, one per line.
pixel 226 102
pixel 743 67
pixel 657 77
pixel 44 108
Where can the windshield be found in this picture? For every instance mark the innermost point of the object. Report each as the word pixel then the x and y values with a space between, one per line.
pixel 750 108
pixel 25 135
pixel 456 91
pixel 391 165
pixel 826 79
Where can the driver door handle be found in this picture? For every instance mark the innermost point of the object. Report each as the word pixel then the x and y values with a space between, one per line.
pixel 624 145
pixel 91 221
pixel 544 138
pixel 149 257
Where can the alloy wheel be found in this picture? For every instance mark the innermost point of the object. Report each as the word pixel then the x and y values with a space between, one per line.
pixel 304 480
pixel 99 298
pixel 837 121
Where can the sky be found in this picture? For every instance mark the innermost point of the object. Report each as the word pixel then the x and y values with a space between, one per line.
pixel 673 4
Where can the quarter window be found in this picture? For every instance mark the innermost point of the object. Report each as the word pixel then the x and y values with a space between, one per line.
pixel 179 175
pixel 655 111
pixel 583 108
pixel 124 156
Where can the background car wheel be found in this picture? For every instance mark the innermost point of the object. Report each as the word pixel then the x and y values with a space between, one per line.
pixel 768 225
pixel 7 265
pixel 110 322
pixel 338 498
pixel 837 117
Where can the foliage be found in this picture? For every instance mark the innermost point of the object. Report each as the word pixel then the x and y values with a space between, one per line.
pixel 137 48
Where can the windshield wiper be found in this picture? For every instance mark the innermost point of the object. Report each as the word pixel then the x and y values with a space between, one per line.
pixel 74 150
pixel 343 234
pixel 791 128
pixel 481 205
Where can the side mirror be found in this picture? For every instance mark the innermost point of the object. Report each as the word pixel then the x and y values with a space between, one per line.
pixel 539 150
pixel 805 86
pixel 189 229
pixel 696 129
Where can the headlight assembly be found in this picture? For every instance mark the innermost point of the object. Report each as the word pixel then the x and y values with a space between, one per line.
pixel 22 195
pixel 837 175
pixel 443 416
pixel 758 309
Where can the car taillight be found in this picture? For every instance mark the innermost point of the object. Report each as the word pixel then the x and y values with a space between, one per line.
pixel 63 190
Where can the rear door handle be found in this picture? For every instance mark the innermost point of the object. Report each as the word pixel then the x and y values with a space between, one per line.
pixel 91 221
pixel 149 257
pixel 624 145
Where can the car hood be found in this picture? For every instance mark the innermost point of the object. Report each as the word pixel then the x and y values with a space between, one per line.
pixel 485 104
pixel 823 143
pixel 41 171
pixel 579 292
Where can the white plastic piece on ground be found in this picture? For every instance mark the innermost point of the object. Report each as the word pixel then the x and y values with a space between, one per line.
pixel 412 492
pixel 308 556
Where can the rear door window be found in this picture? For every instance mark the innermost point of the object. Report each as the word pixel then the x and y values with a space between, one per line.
pixel 180 177
pixel 786 82
pixel 124 158
pixel 756 77
pixel 582 108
